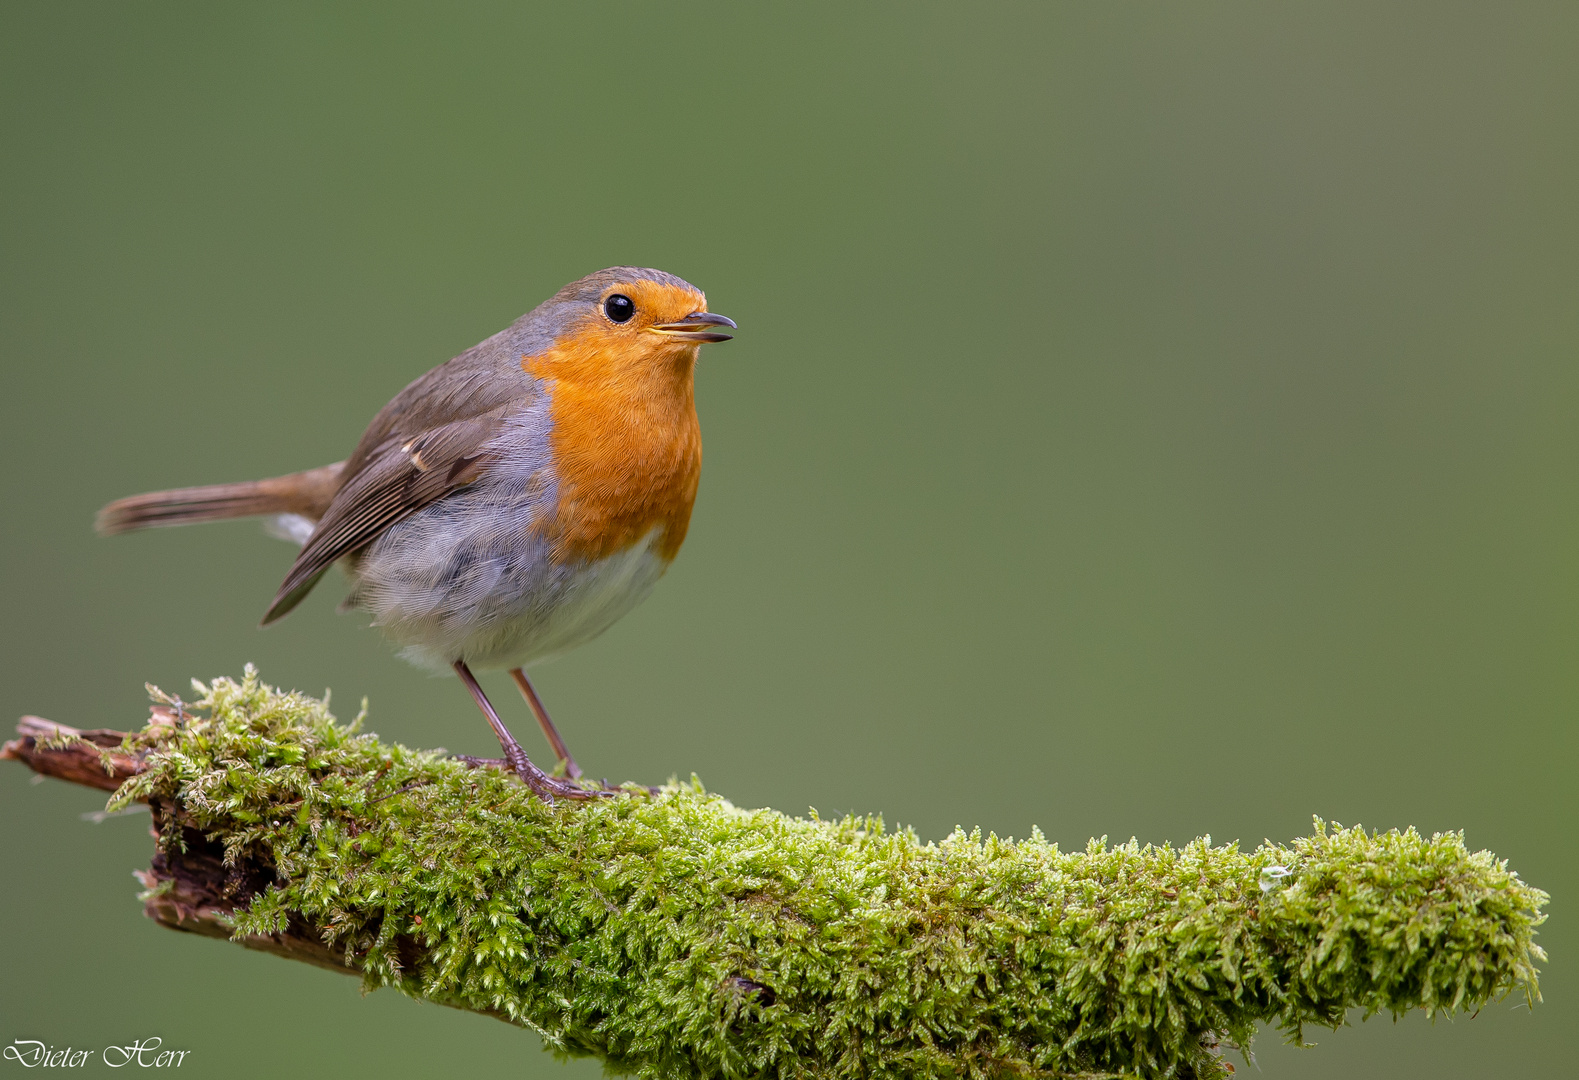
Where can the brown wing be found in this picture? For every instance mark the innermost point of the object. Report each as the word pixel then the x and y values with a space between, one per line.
pixel 397 476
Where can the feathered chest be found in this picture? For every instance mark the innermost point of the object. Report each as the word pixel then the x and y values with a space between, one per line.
pixel 627 457
pixel 568 527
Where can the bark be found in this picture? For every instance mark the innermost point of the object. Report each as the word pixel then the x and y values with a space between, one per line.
pixel 192 890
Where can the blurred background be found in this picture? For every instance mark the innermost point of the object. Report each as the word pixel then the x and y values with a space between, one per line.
pixel 1145 421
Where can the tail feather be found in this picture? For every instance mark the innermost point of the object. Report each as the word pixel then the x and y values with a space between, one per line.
pixel 304 493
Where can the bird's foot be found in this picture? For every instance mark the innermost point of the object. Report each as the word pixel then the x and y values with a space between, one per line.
pixel 542 785
pixel 559 786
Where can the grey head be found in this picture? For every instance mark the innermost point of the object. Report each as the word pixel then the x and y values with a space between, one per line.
pixel 581 302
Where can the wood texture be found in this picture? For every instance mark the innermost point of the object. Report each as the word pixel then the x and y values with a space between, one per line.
pixel 192 890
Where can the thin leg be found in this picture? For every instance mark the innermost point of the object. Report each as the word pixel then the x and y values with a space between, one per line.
pixel 543 786
pixel 572 770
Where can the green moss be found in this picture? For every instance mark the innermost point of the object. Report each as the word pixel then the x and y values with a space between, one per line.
pixel 679 936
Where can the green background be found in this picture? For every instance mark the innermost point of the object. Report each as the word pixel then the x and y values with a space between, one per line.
pixel 1145 420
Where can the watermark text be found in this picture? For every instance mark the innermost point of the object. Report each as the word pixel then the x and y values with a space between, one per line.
pixel 143 1053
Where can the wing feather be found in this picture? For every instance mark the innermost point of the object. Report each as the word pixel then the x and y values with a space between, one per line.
pixel 396 477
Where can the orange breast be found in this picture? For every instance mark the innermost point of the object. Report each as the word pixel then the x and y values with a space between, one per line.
pixel 626 442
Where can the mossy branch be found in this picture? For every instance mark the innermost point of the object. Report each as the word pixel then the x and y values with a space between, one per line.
pixel 679 936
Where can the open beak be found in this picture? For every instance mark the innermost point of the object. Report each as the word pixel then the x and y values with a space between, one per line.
pixel 694 327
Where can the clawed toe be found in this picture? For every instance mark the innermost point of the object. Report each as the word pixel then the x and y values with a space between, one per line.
pixel 550 788
pixel 540 783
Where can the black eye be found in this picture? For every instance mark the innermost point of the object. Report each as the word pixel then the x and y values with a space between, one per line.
pixel 619 307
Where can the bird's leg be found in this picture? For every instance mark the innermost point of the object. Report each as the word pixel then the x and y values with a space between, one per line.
pixel 542 785
pixel 550 732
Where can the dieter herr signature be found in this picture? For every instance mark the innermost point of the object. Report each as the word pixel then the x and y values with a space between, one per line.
pixel 146 1053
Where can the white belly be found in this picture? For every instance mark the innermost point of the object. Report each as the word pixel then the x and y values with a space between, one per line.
pixel 466 578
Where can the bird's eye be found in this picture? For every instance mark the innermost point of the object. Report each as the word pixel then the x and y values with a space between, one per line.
pixel 619 307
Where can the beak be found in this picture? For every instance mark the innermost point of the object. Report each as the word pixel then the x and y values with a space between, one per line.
pixel 694 327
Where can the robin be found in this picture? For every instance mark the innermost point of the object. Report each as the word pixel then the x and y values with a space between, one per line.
pixel 510 504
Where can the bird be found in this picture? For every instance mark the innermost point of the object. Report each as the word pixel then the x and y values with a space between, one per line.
pixel 509 505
